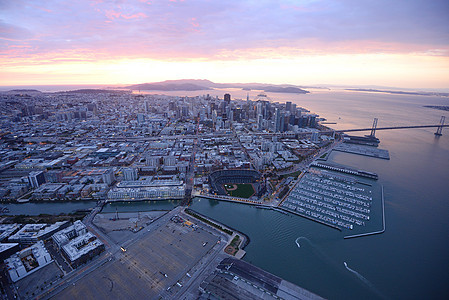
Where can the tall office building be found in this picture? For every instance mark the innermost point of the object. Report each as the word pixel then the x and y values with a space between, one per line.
pixel 288 106
pixel 227 99
pixel 147 106
pixel 315 137
pixel 279 120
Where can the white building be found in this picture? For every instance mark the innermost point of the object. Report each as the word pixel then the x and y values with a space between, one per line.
pixel 147 193
pixel 27 261
pixel 31 233
pixel 7 229
pixel 62 237
pixel 82 248
pixel 130 174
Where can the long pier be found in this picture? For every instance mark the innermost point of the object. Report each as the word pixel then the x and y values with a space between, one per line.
pixel 232 199
pixel 374 232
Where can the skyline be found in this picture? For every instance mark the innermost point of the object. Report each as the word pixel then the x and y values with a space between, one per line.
pixel 403 44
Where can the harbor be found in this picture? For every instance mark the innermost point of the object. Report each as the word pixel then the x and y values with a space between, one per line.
pixel 335 200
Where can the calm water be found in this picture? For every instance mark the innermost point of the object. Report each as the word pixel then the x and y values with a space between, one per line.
pixel 410 260
pixel 140 206
pixel 53 208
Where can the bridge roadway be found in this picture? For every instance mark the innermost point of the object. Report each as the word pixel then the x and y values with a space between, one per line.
pixel 387 128
pixel 282 134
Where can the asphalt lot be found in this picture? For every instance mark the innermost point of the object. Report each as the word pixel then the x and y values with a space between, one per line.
pixel 34 283
pixel 148 267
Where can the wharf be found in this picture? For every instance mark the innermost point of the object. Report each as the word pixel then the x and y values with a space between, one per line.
pixel 363 150
pixel 144 199
pixel 236 277
pixel 344 169
pixel 231 199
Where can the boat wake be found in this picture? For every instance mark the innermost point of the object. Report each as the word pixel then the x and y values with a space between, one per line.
pixel 358 275
pixel 297 243
pixel 364 280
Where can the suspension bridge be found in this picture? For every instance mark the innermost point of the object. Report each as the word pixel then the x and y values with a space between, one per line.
pixel 374 128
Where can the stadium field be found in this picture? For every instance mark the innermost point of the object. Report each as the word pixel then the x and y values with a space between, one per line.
pixel 241 190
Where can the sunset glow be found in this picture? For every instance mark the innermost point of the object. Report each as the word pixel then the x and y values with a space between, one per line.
pixel 403 44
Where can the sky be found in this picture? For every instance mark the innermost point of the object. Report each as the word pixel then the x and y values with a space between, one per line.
pixel 400 43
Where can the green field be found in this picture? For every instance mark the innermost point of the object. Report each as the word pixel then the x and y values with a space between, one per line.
pixel 244 190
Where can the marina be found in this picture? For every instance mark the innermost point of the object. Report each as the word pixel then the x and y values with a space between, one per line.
pixel 331 199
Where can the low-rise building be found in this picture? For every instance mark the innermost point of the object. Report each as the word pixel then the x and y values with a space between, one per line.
pixel 62 237
pixel 7 229
pixel 8 249
pixel 32 233
pixel 27 261
pixel 82 248
pixel 77 244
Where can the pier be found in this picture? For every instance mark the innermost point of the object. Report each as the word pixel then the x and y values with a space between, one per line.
pixel 346 170
pixel 231 199
pixel 363 150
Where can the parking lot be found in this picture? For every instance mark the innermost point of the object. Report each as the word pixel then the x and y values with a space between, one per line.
pixel 149 268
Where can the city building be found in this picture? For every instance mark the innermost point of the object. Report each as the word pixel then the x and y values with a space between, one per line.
pixel 32 233
pixel 8 249
pixel 130 174
pixel 62 237
pixel 82 248
pixel 108 177
pixel 36 178
pixel 7 229
pixel 27 261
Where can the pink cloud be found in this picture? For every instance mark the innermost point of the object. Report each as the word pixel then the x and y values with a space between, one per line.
pixel 112 14
pixel 194 24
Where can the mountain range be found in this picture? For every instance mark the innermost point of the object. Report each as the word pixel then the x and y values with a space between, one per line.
pixel 203 84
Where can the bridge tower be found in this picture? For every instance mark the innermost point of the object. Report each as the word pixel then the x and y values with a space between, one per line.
pixel 373 130
pixel 440 128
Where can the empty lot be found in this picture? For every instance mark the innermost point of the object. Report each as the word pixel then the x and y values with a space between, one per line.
pixel 148 267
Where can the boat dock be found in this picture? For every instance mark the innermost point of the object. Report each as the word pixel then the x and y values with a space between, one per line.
pixel 344 169
pixel 363 150
pixel 231 199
